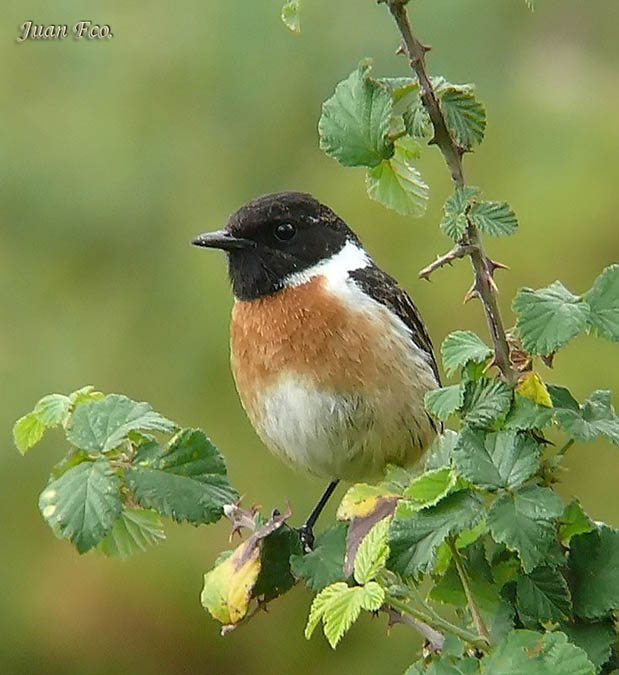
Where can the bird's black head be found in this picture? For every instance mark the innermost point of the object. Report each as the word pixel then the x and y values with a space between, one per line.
pixel 275 236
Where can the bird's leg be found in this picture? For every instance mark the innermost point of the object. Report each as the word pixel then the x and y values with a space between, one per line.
pixel 306 532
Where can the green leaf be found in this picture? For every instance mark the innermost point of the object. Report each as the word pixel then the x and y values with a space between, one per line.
pixel 549 317
pixel 429 488
pixel 275 576
pixel 573 521
pixel 27 431
pixel 415 535
pixel 527 652
pixel 103 425
pixel 133 531
pixel 603 300
pixel 396 183
pixel 53 409
pixel 325 564
pixel 290 15
pixel 543 596
pixel 404 92
pixel 417 121
pixel 372 553
pixel 354 124
pixel 464 114
pixel 595 416
pixel 595 638
pixel 463 346
pixel 561 398
pixel 85 394
pixel 526 414
pixel 504 459
pixel 187 481
pixel 444 401
pixel 493 218
pixel 440 452
pixel 339 607
pixel 523 521
pixel 594 567
pixel 454 220
pixel 83 503
pixel 486 401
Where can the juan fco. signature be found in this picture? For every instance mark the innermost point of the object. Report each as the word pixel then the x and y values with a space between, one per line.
pixel 82 29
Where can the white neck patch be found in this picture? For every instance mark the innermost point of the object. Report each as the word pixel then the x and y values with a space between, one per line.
pixel 335 269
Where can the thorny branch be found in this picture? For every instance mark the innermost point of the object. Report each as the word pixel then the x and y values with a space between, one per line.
pixel 483 287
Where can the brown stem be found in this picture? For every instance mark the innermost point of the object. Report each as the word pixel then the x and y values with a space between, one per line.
pixel 458 251
pixel 484 286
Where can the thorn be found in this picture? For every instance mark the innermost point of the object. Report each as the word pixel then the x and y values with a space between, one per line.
pixel 548 359
pixel 470 294
pixel 492 266
pixel 492 284
pixel 400 50
pixel 426 48
pixel 433 141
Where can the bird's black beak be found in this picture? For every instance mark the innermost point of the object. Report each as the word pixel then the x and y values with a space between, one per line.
pixel 221 239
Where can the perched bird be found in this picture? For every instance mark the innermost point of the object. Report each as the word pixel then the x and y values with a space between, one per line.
pixel 330 356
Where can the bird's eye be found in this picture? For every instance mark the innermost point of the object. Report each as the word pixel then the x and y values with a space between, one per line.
pixel 284 231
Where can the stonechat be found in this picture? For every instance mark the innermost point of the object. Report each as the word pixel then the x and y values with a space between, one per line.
pixel 330 356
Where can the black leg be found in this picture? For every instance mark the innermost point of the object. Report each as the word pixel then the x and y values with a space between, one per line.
pixel 307 529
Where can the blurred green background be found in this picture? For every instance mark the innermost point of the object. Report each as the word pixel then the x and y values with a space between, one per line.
pixel 115 153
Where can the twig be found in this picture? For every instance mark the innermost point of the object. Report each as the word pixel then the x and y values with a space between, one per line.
pixel 480 626
pixel 483 286
pixel 434 638
pixel 458 251
pixel 566 446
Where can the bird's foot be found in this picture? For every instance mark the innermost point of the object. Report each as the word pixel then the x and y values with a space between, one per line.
pixel 306 534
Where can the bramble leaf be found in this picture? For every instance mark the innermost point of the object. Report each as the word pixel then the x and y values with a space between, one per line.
pixel 132 532
pixel 372 553
pixel 485 401
pixel 103 425
pixel 275 576
pixel 444 401
pixel 493 218
pixel 464 114
pixel 53 409
pixel 573 521
pixel 525 414
pixel 594 567
pixel 543 596
pixel 603 299
pixel 503 459
pixel 290 15
pixel 463 346
pixel 595 416
pixel 549 317
pixel 527 652
pixel 83 504
pixel 595 638
pixel 27 432
pixel 415 535
pixel 440 453
pixel 362 499
pixel 396 183
pixel 354 124
pixel 523 521
pixel 323 565
pixel 532 386
pixel 430 487
pixel 454 220
pixel 186 481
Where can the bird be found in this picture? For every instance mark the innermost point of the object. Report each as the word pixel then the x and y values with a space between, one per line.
pixel 330 356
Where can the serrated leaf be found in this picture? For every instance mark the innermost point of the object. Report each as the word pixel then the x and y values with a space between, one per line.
pixel 463 346
pixel 83 503
pixel 354 124
pixel 417 121
pixel 494 218
pixel 27 432
pixel 596 639
pixel 486 401
pixel 133 531
pixel 276 576
pixel 543 596
pixel 430 487
pixel 186 481
pixel 323 565
pixel 85 394
pixel 415 535
pixel 525 414
pixel 527 652
pixel 532 386
pixel 362 499
pixel 103 425
pixel 549 317
pixel 523 521
pixel 603 299
pixel 440 452
pixel 372 553
pixel 573 521
pixel 404 92
pixel 290 15
pixel 53 409
pixel 444 401
pixel 454 220
pixel 503 459
pixel 396 183
pixel 594 567
pixel 464 114
pixel 595 416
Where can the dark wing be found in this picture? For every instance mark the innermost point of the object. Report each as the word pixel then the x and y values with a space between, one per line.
pixel 384 289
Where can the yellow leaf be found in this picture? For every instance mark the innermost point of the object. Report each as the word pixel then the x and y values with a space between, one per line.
pixel 228 587
pixel 532 386
pixel 361 500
